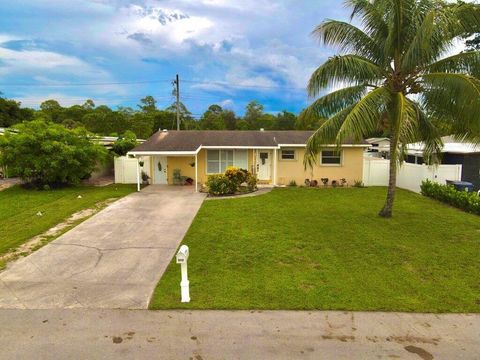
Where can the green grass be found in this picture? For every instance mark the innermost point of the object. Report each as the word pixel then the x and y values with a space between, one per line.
pixel 327 249
pixel 18 209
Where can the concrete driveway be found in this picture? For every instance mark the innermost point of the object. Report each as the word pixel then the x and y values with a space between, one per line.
pixel 112 260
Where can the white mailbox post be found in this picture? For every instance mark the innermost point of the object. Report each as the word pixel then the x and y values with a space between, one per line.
pixel 182 257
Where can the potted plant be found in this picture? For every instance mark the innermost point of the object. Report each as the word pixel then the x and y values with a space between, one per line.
pixel 145 178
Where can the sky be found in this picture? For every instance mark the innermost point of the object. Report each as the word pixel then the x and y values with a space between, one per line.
pixel 226 52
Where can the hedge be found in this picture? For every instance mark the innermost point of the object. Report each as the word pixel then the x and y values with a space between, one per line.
pixel 467 201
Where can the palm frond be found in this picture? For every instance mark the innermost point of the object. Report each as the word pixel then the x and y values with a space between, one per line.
pixel 344 70
pixel 325 135
pixel 332 103
pixel 420 51
pixel 348 38
pixel 427 132
pixel 464 63
pixel 371 15
pixel 467 18
pixel 454 98
pixel 355 122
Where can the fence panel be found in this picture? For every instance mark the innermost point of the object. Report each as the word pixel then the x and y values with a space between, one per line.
pixel 410 176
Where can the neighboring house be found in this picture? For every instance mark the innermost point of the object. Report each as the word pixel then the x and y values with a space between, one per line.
pixel 275 157
pixel 379 147
pixel 454 152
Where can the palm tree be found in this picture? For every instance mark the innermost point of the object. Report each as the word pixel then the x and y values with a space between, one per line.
pixel 396 75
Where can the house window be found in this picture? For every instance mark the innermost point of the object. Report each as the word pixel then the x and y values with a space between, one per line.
pixel 288 155
pixel 331 157
pixel 219 160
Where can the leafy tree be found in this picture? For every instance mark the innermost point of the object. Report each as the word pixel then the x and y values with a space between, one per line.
pixel 397 78
pixel 254 111
pixel 229 119
pixel 285 121
pixel 88 105
pixel 51 110
pixel 306 121
pixel 124 143
pixel 142 125
pixel 44 153
pixel 185 115
pixel 148 104
pixel 11 113
pixel 242 125
pixel 212 119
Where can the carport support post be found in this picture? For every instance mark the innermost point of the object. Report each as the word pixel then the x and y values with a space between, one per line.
pixel 138 174
pixel 275 158
pixel 196 172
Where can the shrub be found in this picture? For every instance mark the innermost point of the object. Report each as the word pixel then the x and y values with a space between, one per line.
pixel 251 182
pixel 467 201
pixel 124 143
pixel 236 175
pixel 292 183
pixel 358 183
pixel 44 153
pixel 230 182
pixel 220 184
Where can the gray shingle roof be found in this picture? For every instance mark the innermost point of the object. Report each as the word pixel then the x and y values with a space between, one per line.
pixel 191 140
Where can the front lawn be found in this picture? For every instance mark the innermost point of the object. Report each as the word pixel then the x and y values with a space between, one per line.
pixel 300 248
pixel 19 207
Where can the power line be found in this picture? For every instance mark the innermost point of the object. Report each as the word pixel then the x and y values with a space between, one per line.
pixel 218 83
pixel 86 84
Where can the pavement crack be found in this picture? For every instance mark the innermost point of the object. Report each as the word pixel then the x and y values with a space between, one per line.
pixel 13 293
pixel 119 248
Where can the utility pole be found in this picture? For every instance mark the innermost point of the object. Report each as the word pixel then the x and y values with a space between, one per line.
pixel 177 90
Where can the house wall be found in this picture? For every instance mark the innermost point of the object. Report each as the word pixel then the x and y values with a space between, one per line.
pixel 351 168
pixel 182 163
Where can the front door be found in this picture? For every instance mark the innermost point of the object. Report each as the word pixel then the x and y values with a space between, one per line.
pixel 160 170
pixel 264 160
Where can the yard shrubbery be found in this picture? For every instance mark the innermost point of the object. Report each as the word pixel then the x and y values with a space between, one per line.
pixel 46 154
pixel 467 201
pixel 231 182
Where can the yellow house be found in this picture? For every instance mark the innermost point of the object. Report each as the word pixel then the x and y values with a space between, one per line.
pixel 275 157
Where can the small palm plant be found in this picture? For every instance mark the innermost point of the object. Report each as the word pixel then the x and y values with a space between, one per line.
pixel 396 75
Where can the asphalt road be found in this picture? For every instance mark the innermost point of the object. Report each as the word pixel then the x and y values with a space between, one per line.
pixel 202 335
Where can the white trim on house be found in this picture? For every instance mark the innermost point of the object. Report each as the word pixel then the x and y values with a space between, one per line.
pixel 238 147
pixel 191 153
pixel 343 145
pixel 162 153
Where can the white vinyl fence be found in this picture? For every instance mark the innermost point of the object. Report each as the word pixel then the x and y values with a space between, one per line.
pixel 126 169
pixel 410 176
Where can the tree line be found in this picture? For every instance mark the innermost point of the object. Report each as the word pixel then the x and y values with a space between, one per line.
pixel 147 118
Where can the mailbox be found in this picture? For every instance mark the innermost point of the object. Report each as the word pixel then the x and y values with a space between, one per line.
pixel 182 255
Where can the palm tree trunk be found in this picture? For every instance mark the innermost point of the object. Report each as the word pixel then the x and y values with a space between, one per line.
pixel 387 209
